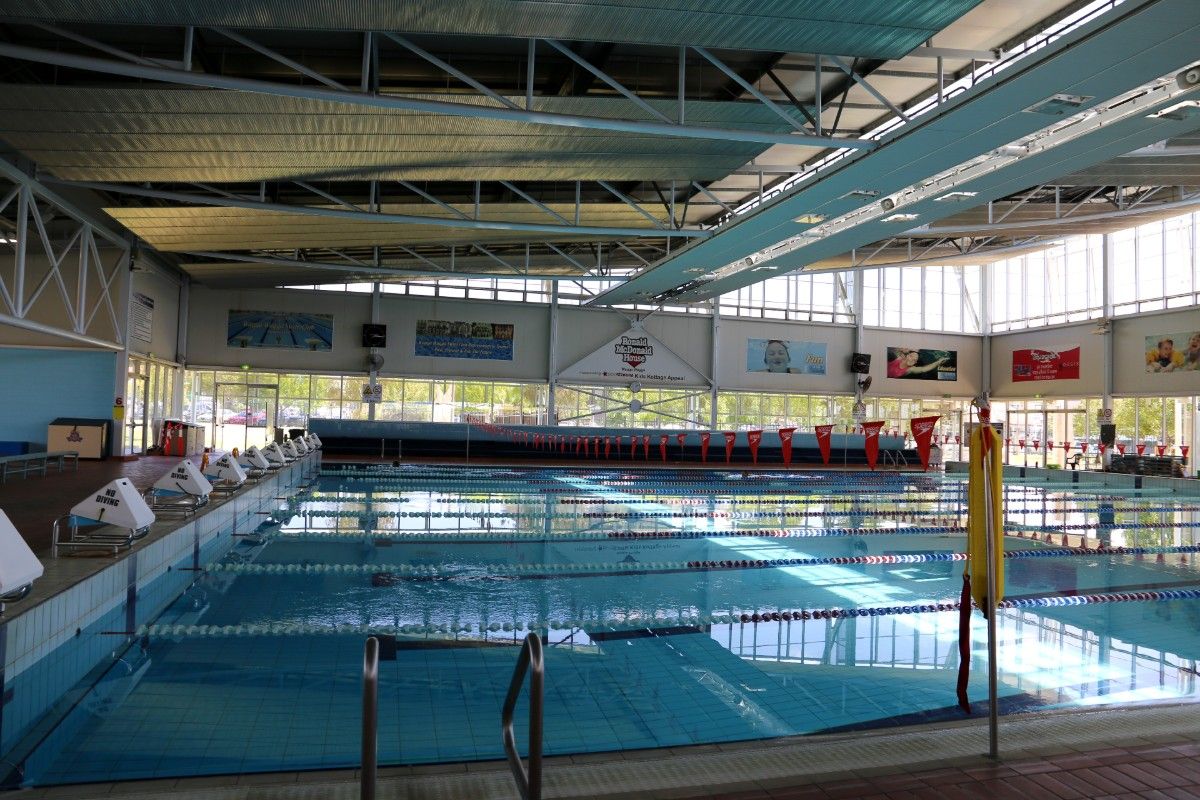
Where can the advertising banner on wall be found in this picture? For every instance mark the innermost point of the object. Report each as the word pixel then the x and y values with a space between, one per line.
pixel 785 356
pixel 911 363
pixel 1036 364
pixel 285 330
pixel 487 341
pixel 1173 352
pixel 634 356
pixel 141 317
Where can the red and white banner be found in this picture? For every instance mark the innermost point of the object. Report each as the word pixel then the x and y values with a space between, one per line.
pixel 607 446
pixel 1183 448
pixel 755 439
pixel 682 439
pixel 730 437
pixel 662 446
pixel 871 441
pixel 646 447
pixel 1121 449
pixel 705 438
pixel 1161 449
pixel 824 437
pixel 1141 449
pixel 785 443
pixel 922 431
pixel 1045 365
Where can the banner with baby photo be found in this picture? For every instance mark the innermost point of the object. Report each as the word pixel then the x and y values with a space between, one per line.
pixel 785 356
pixel 1173 352
pixel 912 363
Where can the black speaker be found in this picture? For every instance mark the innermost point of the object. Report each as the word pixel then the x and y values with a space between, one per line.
pixel 374 335
pixel 860 363
pixel 1108 435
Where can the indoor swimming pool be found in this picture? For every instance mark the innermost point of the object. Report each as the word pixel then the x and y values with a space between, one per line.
pixel 679 607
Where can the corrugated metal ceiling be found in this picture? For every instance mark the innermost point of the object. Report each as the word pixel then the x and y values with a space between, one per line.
pixel 175 229
pixel 218 136
pixel 879 29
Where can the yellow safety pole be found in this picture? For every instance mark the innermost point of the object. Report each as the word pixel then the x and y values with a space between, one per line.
pixel 985 551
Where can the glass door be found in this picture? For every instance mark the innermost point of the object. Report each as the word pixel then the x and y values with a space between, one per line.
pixel 137 388
pixel 262 406
pixel 244 415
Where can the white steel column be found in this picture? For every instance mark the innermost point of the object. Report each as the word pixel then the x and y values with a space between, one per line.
pixel 552 365
pixel 181 324
pixel 716 351
pixel 373 374
pixel 985 323
pixel 1106 292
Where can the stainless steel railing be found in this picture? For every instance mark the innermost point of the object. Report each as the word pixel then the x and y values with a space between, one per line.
pixel 529 782
pixel 370 719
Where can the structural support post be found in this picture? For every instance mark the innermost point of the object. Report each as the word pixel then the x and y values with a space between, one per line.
pixel 1106 291
pixel 716 351
pixel 552 362
pixel 180 350
pixel 373 374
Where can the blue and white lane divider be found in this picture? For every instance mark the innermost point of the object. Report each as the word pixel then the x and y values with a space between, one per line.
pixel 420 571
pixel 639 621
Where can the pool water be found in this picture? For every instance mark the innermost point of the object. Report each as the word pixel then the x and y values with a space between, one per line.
pixel 679 607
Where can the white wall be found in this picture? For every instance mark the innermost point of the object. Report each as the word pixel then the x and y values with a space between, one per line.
pixel 731 357
pixel 1091 362
pixel 208 316
pixel 970 358
pixel 165 293
pixel 209 309
pixel 1129 353
pixel 531 336
pixel 581 331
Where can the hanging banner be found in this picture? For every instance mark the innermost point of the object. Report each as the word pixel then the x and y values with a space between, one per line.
pixel 1173 352
pixel 646 447
pixel 1141 449
pixel 682 439
pixel 1035 364
pixel 662 446
pixel 824 437
pixel 755 439
pixel 785 356
pixel 730 437
pixel 634 356
pixel 1183 448
pixel 785 441
pixel 607 446
pixel 922 431
pixel 705 438
pixel 488 341
pixel 595 447
pixel 1161 450
pixel 910 363
pixel 871 441
pixel 287 330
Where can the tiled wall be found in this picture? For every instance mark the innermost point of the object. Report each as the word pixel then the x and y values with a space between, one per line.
pixel 76 634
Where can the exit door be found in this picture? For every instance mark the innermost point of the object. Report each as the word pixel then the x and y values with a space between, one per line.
pixel 245 414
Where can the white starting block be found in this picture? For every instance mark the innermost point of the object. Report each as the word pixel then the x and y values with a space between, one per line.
pixel 314 441
pixel 184 489
pixel 301 446
pixel 254 462
pixel 289 450
pixel 120 513
pixel 225 473
pixel 19 567
pixel 275 455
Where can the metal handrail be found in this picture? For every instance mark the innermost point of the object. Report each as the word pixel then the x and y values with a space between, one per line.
pixel 370 719
pixel 529 782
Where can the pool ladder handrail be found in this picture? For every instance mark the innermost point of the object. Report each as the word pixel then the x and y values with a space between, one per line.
pixel 529 782
pixel 370 719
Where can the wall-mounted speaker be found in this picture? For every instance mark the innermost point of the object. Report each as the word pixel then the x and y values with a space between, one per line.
pixel 860 363
pixel 374 335
pixel 1108 435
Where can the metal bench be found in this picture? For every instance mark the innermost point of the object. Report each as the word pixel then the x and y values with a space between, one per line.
pixel 36 462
